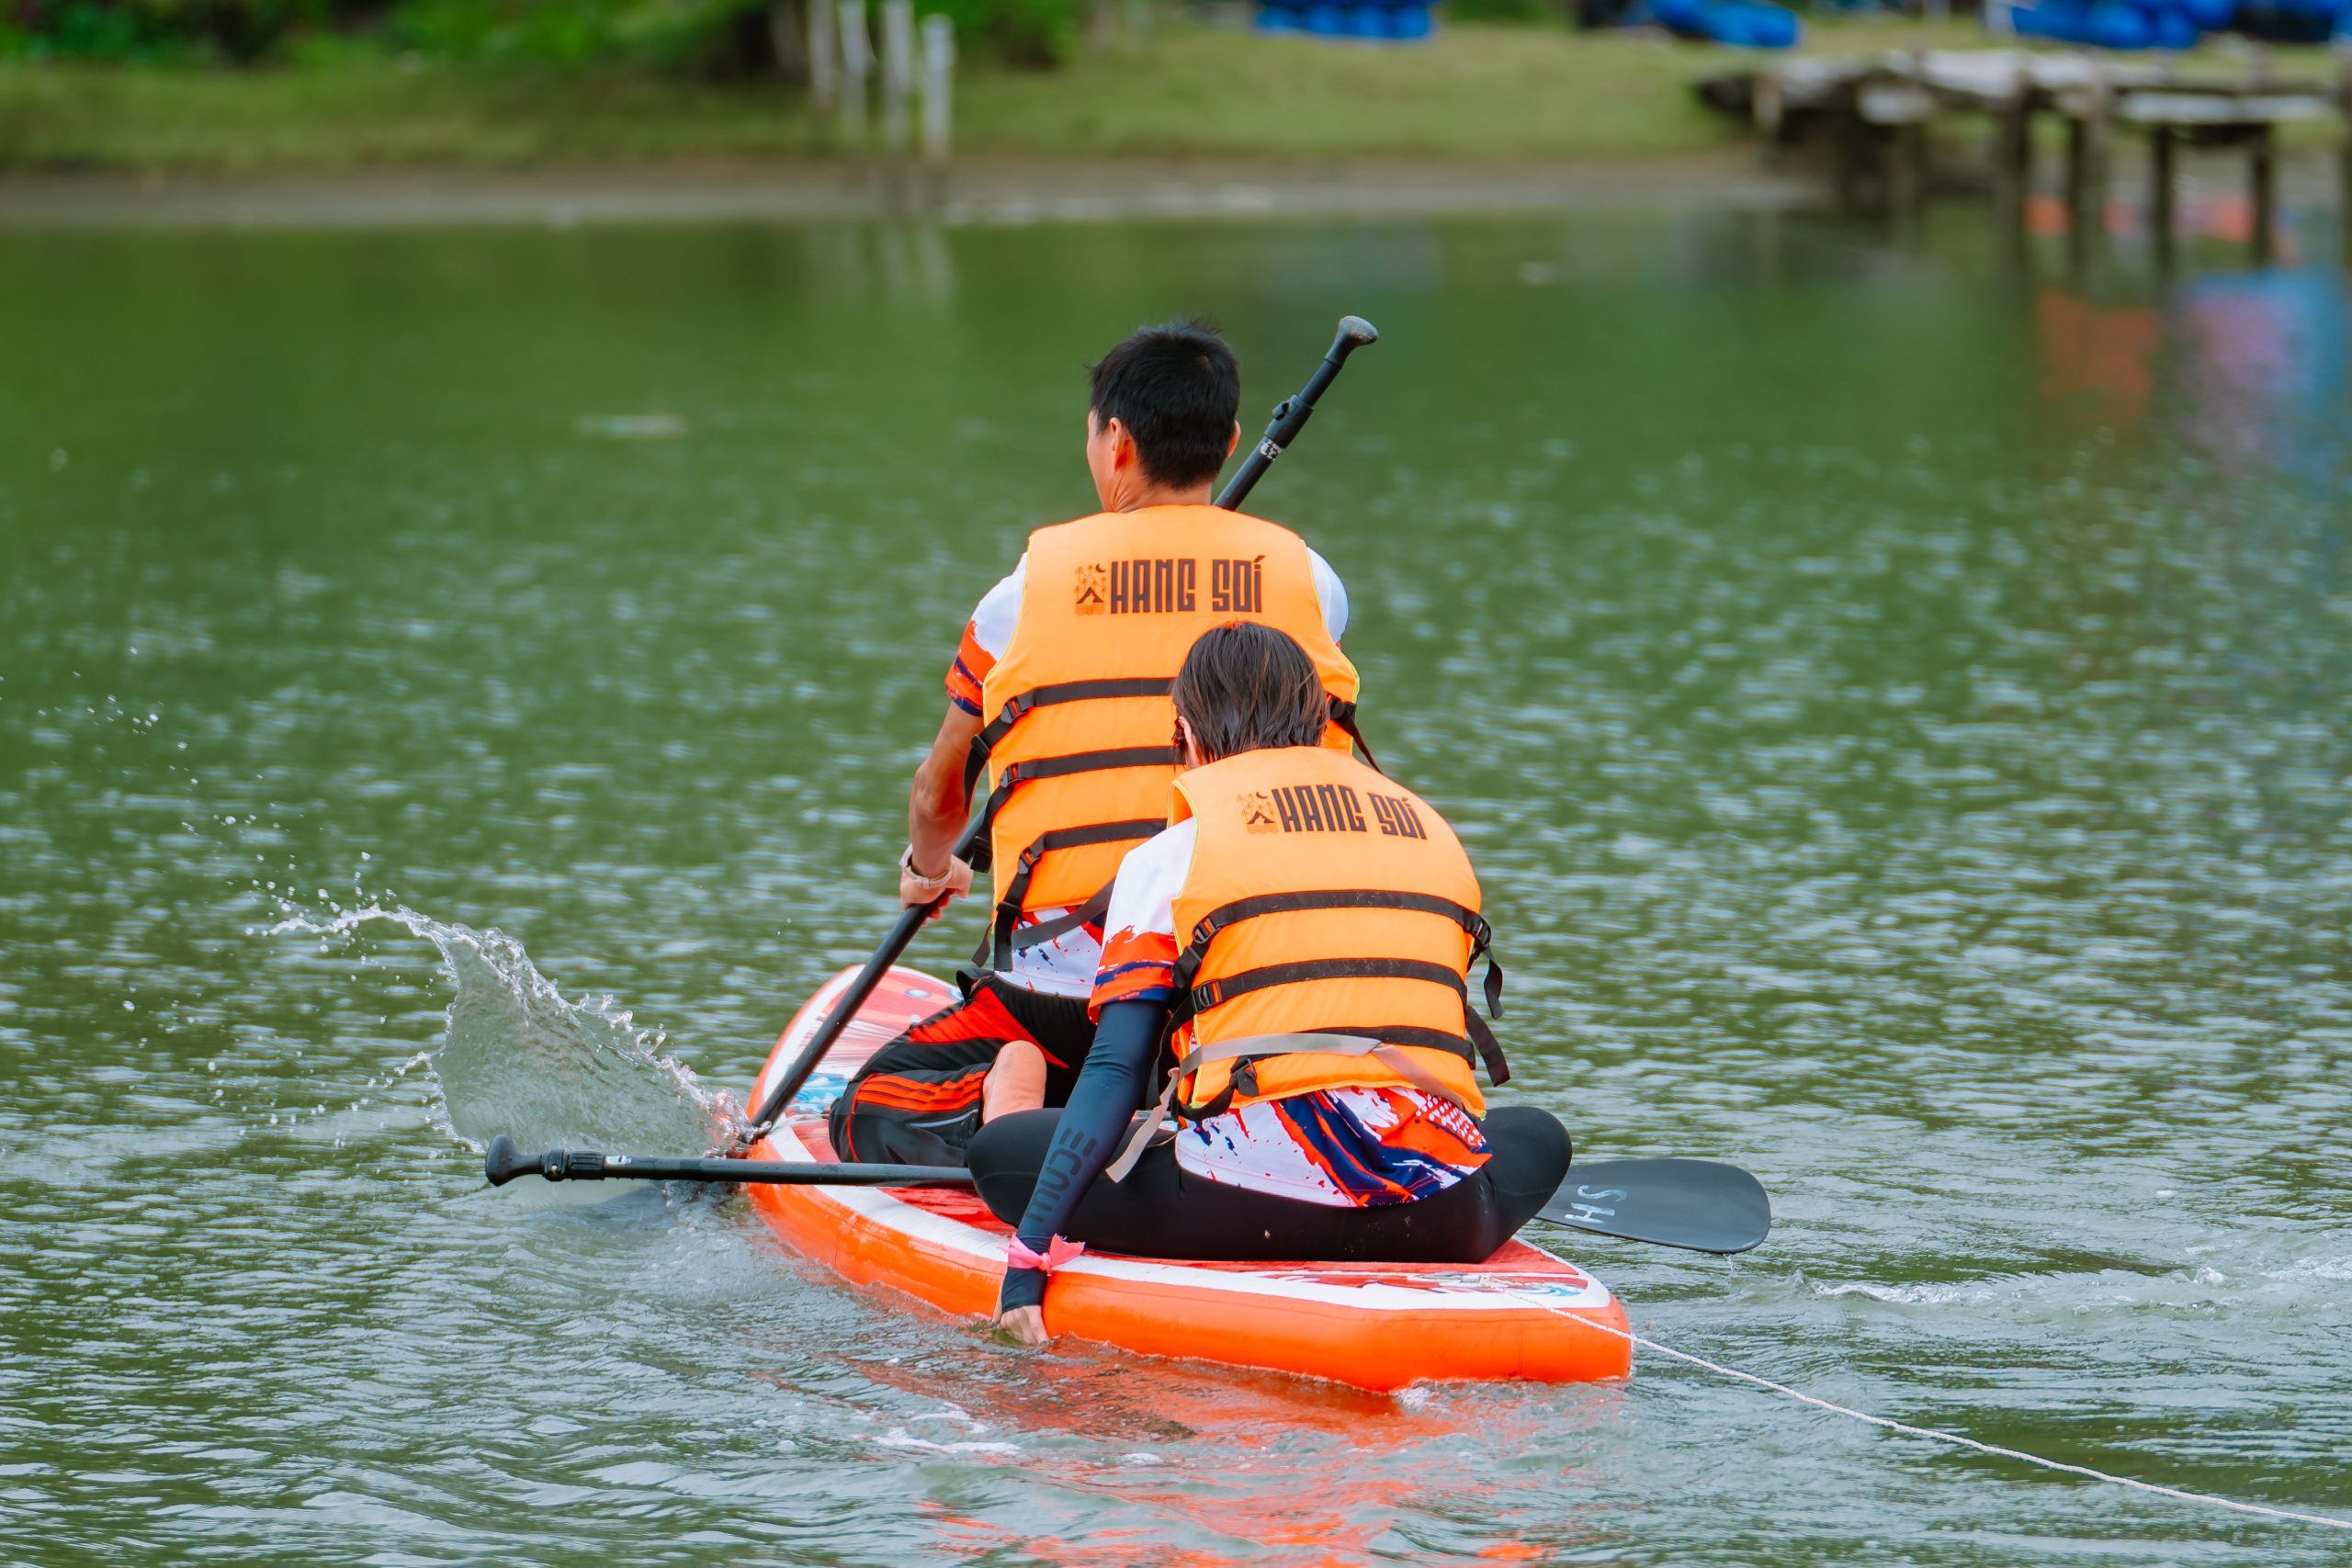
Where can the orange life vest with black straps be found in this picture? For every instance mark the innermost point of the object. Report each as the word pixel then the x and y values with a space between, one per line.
pixel 1078 742
pixel 1323 899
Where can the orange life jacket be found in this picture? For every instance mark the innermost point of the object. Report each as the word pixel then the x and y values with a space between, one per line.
pixel 1078 739
pixel 1323 899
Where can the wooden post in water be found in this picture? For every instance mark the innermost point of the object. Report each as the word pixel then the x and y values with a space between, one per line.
pixel 2016 141
pixel 898 88
pixel 2013 167
pixel 1912 143
pixel 857 64
pixel 2262 170
pixel 938 97
pixel 2078 162
pixel 2161 140
pixel 2087 129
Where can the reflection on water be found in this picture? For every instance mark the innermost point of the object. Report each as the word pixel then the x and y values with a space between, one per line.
pixel 1897 714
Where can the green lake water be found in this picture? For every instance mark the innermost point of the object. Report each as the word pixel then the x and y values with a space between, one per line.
pixel 1897 698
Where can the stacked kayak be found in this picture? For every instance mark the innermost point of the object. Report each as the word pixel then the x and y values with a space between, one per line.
pixel 2167 24
pixel 1742 24
pixel 1523 1313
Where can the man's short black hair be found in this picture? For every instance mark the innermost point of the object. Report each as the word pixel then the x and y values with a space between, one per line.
pixel 1176 388
pixel 1246 686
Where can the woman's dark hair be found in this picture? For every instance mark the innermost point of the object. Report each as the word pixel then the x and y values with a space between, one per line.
pixel 1176 388
pixel 1245 687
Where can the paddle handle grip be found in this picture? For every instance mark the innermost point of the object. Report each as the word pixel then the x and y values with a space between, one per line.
pixel 1291 414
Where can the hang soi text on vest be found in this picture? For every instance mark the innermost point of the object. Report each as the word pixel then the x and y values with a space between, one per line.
pixel 1078 716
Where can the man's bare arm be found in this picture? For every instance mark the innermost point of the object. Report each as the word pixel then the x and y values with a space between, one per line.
pixel 937 804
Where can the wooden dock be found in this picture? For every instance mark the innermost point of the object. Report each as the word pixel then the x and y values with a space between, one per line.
pixel 1878 118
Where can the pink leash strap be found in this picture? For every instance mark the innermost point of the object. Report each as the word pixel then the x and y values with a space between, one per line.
pixel 1057 1252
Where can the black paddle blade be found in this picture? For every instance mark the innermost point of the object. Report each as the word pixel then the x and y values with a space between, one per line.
pixel 1692 1203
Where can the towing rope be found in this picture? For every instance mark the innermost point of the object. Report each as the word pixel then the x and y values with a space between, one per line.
pixel 1908 1430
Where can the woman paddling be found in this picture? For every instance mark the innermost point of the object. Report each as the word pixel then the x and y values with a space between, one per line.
pixel 1309 926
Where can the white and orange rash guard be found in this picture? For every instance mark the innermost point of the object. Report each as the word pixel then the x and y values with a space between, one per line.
pixel 1339 1147
pixel 1066 966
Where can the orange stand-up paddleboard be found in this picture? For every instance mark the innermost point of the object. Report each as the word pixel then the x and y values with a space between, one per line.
pixel 1522 1313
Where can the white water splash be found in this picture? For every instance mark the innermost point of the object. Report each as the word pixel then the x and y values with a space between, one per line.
pixel 517 1057
pixel 2200 1287
pixel 899 1438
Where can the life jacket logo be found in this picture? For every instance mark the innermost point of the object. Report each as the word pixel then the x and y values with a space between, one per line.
pixel 1331 808
pixel 1171 585
pixel 1238 587
pixel 1396 817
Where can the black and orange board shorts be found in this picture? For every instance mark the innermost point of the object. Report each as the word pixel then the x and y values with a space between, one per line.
pixel 917 1099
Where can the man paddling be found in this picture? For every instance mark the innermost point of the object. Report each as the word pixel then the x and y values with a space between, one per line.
pixel 1309 926
pixel 1061 683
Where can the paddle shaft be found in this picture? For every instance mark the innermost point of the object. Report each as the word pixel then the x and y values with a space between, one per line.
pixel 1693 1204
pixel 505 1162
pixel 844 1006
pixel 1290 417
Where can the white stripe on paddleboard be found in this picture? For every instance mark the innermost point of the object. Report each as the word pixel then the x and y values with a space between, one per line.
pixel 1469 1290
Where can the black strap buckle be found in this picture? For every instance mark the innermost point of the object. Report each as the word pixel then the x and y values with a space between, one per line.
pixel 1242 1080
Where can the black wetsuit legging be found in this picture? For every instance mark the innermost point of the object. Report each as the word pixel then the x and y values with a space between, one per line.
pixel 1162 1211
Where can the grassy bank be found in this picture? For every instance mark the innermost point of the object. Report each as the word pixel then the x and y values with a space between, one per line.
pixel 1473 92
